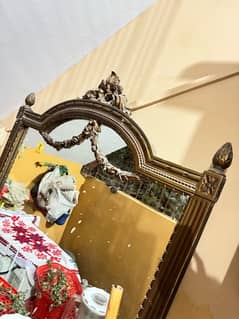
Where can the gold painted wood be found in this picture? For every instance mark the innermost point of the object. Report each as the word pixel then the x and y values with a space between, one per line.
pixel 179 252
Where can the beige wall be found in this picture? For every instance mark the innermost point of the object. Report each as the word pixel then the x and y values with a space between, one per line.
pixel 172 46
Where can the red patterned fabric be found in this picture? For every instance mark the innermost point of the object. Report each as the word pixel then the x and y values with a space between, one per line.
pixel 42 304
pixel 21 236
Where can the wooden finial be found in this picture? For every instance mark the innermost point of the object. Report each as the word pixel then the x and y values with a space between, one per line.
pixel 223 157
pixel 30 99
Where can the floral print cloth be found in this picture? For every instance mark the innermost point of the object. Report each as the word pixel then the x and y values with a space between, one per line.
pixel 8 213
pixel 19 235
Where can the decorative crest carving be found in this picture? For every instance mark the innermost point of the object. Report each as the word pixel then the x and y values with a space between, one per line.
pixel 223 157
pixel 111 92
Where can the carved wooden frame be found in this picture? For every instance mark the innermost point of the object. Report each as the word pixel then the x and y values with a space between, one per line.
pixel 204 188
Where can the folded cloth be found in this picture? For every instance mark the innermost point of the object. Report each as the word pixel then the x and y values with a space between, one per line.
pixel 57 194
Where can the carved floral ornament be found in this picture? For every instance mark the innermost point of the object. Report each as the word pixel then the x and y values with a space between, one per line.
pixel 109 91
pixel 211 183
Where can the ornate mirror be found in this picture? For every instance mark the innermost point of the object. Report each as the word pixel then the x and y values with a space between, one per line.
pixel 138 217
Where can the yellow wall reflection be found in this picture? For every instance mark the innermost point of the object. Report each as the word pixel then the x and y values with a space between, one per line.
pixel 117 240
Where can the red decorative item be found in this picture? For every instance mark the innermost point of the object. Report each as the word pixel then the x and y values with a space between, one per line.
pixel 43 304
pixel 3 191
pixel 5 290
pixel 71 310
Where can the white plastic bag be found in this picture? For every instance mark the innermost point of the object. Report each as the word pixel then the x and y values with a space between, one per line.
pixel 57 194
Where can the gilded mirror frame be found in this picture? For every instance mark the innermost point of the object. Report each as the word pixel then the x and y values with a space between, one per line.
pixel 203 188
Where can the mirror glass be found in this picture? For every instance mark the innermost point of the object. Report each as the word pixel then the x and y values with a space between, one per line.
pixel 119 228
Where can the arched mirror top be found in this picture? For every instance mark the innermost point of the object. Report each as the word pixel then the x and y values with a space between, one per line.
pixel 125 126
pixel 147 163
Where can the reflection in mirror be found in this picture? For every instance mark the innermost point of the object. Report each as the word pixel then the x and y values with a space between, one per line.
pixel 119 228
pixel 152 193
pixel 109 141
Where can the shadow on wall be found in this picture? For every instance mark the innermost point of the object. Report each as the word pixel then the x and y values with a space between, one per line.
pixel 218 102
pixel 205 289
pixel 208 68
pixel 201 296
pixel 162 20
pixel 201 72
